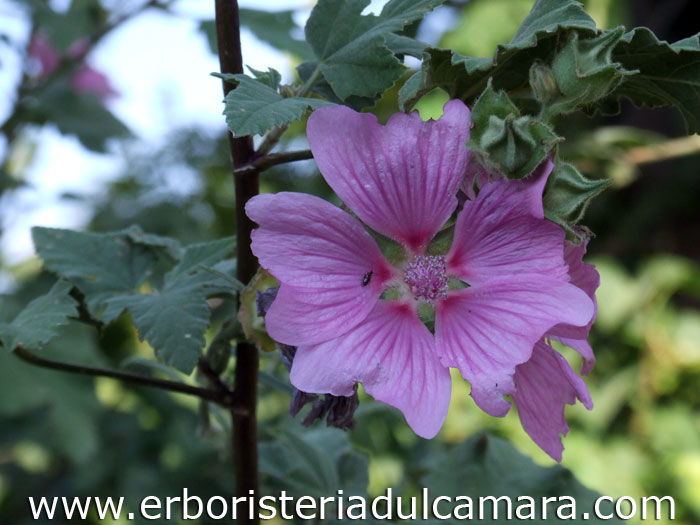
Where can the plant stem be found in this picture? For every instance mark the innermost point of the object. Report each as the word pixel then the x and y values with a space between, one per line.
pixel 245 434
pixel 273 159
pixel 669 149
pixel 222 395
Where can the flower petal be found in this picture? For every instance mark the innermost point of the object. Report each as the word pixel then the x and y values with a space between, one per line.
pixel 393 355
pixel 401 179
pixel 586 277
pixel 488 329
pixel 306 316
pixel 583 347
pixel 544 385
pixel 330 269
pixel 503 233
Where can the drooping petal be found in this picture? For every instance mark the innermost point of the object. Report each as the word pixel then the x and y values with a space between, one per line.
pixel 583 347
pixel 513 260
pixel 544 385
pixel 393 355
pixel 503 232
pixel 401 179
pixel 488 329
pixel 330 269
pixel 586 277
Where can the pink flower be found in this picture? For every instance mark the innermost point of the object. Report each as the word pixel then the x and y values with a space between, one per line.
pixel 356 317
pixel 43 55
pixel 85 80
pixel 88 80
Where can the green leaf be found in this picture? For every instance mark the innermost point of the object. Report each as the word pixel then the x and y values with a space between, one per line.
pixel 271 77
pixel 38 323
pixel 102 265
pixel 489 466
pixel 404 45
pixel 513 144
pixel 253 108
pixel 667 74
pixel 174 320
pixel 173 323
pixel 583 72
pixel 273 27
pixel 351 48
pixel 314 463
pixel 193 267
pixel 72 421
pixel 323 88
pixel 465 77
pixel 568 194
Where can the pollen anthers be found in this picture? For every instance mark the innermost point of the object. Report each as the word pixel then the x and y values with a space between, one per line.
pixel 426 276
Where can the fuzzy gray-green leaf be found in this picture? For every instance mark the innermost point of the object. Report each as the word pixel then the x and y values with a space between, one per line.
pixel 351 48
pixel 253 108
pixel 465 77
pixel 39 322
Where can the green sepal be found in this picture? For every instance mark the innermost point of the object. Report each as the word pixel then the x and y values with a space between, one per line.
pixel 512 144
pixel 253 324
pixel 442 241
pixel 569 193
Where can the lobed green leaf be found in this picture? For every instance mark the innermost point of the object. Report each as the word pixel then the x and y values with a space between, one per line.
pixel 39 322
pixel 466 77
pixel 489 466
pixel 667 74
pixel 253 108
pixel 351 48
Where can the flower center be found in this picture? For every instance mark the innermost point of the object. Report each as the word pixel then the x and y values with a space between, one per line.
pixel 426 276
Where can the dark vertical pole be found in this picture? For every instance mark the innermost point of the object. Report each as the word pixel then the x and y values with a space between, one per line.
pixel 245 438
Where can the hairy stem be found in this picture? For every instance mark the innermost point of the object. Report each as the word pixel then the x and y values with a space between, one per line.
pixel 221 395
pixel 245 434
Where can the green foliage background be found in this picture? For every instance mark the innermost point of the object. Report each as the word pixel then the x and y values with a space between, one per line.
pixel 67 435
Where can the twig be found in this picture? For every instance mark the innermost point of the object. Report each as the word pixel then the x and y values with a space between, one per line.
pixel 224 397
pixel 273 159
pixel 665 150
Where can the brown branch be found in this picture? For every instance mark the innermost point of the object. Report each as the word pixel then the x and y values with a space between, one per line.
pixel 245 436
pixel 664 150
pixel 224 397
pixel 273 159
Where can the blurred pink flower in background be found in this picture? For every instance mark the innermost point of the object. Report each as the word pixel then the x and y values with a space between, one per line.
pixel 88 80
pixel 44 59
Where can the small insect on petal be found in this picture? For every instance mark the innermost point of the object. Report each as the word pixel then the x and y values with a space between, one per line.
pixel 366 278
